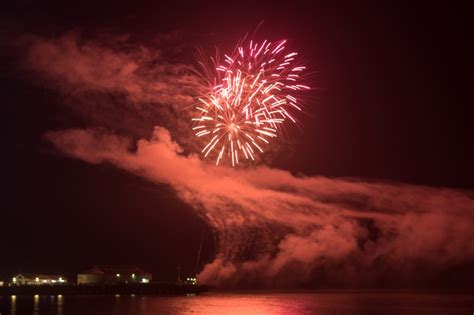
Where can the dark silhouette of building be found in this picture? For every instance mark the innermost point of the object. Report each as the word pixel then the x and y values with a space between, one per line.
pixel 113 275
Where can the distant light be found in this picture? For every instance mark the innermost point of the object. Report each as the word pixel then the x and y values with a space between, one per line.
pixel 45 281
pixel 37 279
pixel 14 279
pixel 133 275
pixel 192 280
pixel 118 275
pixel 145 280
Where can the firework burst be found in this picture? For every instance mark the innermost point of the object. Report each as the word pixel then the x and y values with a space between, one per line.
pixel 252 94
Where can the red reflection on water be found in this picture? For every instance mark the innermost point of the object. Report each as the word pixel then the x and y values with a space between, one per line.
pixel 236 304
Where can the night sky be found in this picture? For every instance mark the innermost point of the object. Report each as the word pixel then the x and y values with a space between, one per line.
pixel 392 103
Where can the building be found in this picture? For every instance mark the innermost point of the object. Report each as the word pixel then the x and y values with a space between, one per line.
pixel 113 275
pixel 38 279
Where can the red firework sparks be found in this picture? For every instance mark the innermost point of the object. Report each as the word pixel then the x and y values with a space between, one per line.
pixel 251 97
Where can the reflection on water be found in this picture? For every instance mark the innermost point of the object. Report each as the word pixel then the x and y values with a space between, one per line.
pixel 13 304
pixel 17 305
pixel 36 305
pixel 60 302
pixel 322 303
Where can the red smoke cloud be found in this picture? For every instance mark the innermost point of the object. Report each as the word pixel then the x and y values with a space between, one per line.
pixel 113 83
pixel 274 228
pixel 80 66
pixel 358 231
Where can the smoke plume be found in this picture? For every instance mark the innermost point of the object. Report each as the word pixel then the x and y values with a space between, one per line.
pixel 275 229
pixel 283 230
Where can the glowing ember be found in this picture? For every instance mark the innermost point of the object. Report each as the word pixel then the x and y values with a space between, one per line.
pixel 250 98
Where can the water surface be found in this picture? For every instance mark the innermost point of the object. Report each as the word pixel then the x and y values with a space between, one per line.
pixel 320 303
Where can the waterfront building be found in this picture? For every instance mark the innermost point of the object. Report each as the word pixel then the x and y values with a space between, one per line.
pixel 113 275
pixel 38 279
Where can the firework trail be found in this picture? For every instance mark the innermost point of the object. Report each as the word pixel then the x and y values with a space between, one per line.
pixel 251 96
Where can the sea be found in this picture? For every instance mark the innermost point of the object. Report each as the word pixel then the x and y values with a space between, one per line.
pixel 313 302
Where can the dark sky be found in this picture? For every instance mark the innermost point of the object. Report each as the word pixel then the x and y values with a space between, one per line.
pixel 394 103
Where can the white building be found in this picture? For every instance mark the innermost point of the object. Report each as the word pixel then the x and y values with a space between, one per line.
pixel 38 279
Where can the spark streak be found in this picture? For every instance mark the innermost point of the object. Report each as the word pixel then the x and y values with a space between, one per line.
pixel 248 103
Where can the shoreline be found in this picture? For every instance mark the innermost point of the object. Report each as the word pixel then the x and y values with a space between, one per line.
pixel 138 289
